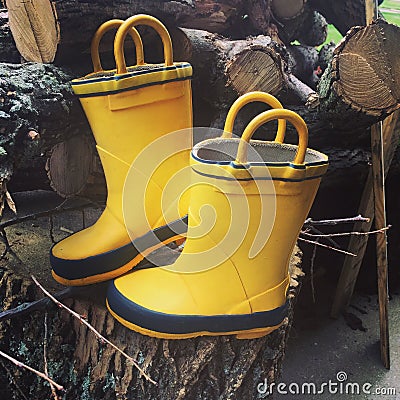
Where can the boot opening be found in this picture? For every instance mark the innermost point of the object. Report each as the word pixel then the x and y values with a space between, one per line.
pixel 225 150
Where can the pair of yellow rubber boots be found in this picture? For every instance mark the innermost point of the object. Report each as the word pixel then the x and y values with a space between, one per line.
pixel 246 201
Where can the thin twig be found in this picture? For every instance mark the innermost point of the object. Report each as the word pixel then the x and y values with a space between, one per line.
pixel 327 247
pixel 314 253
pixel 317 231
pixel 327 235
pixel 38 373
pixel 51 229
pixel 358 218
pixel 46 370
pixel 98 334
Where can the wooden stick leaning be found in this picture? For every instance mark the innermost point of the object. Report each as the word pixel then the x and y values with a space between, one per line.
pixel 378 171
pixel 381 240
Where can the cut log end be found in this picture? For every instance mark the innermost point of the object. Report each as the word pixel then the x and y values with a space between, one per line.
pixel 34 26
pixel 70 165
pixel 287 9
pixel 255 70
pixel 366 63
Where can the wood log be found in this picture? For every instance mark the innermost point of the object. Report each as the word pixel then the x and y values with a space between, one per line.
pixel 287 9
pixel 344 14
pixel 229 67
pixel 78 20
pixel 221 367
pixel 315 30
pixel 8 49
pixel 297 21
pixel 361 85
pixel 37 110
pixel 217 367
pixel 38 98
pixel 69 165
pixel 304 63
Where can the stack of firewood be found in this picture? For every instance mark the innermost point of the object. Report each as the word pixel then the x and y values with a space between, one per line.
pixel 234 46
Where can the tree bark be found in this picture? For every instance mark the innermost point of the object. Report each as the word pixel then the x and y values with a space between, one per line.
pixel 344 14
pixel 38 110
pixel 296 20
pixel 305 63
pixel 8 49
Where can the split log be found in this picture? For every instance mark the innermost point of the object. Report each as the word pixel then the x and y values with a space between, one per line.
pixel 361 84
pixel 212 367
pixel 35 29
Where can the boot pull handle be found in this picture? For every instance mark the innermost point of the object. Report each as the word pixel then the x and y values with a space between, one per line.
pixel 104 28
pixel 249 98
pixel 266 116
pixel 140 19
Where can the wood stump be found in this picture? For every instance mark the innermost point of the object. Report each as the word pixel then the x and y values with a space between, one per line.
pixel 207 367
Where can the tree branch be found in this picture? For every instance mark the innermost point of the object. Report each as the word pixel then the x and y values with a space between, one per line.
pixel 38 373
pixel 358 218
pixel 327 247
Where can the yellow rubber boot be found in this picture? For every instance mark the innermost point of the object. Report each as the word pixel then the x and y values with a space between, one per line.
pixel 248 204
pixel 128 109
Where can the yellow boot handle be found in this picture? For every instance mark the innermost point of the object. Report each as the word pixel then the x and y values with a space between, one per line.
pixel 104 28
pixel 140 19
pixel 249 98
pixel 266 116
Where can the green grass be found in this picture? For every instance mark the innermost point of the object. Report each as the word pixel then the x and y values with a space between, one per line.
pixel 392 17
pixel 333 35
pixel 395 4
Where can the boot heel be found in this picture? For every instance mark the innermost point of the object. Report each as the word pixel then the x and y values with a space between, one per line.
pixel 258 333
